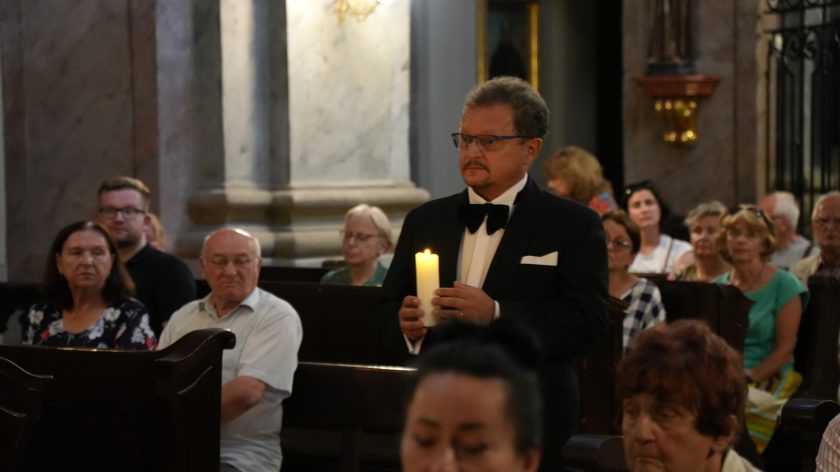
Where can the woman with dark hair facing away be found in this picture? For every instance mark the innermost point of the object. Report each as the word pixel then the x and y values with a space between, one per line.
pixel 683 393
pixel 476 402
pixel 576 174
pixel 87 293
pixel 645 308
pixel 747 240
pixel 704 262
pixel 658 251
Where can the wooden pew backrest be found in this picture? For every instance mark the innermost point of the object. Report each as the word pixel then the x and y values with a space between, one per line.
pixel 339 323
pixel 352 400
pixel 724 308
pixel 815 355
pixel 599 408
pixel 123 410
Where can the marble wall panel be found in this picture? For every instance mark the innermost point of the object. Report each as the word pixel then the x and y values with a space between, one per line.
pixel 73 123
pixel 348 94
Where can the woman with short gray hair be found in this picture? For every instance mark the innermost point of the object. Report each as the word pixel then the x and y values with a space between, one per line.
pixel 365 238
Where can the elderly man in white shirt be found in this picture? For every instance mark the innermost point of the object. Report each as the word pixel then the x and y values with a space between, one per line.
pixel 257 373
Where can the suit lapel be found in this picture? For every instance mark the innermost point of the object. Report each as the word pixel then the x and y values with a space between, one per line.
pixel 449 234
pixel 514 243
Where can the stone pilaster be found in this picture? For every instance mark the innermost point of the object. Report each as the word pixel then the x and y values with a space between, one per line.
pixel 309 117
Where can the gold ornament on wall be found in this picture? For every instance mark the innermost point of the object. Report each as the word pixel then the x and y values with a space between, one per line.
pixel 676 102
pixel 670 78
pixel 358 8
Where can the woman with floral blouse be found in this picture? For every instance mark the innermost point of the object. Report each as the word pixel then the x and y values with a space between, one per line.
pixel 87 293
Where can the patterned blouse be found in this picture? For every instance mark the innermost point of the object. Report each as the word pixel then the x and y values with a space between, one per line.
pixel 123 325
pixel 645 310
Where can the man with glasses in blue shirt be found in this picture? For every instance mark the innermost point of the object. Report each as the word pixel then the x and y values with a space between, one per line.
pixel 162 281
pixel 507 248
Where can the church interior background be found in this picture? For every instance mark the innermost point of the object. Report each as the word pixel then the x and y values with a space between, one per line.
pixel 278 116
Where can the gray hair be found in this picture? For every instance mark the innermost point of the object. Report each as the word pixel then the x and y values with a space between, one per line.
pixel 530 113
pixel 787 206
pixel 823 197
pixel 238 231
pixel 377 216
pixel 712 208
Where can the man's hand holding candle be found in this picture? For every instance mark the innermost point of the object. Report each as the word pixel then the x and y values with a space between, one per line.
pixel 464 302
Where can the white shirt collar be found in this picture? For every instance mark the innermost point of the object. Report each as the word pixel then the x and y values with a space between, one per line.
pixel 507 198
pixel 250 301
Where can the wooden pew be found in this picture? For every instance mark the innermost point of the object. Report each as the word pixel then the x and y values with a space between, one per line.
pixel 21 400
pixel 795 443
pixel 599 408
pixel 352 401
pixel 595 453
pixel 815 356
pixel 339 323
pixel 723 307
pixel 124 410
pixel 292 274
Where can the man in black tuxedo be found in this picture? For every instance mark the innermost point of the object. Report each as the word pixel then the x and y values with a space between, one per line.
pixel 530 255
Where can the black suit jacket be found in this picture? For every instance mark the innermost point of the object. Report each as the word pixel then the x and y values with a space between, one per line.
pixel 564 305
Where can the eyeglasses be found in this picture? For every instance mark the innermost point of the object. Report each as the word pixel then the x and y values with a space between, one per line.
pixel 129 213
pixel 220 263
pixel 485 142
pixel 619 244
pixel 823 222
pixel 348 236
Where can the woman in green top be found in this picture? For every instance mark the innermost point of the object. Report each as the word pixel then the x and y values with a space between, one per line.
pixel 366 236
pixel 747 240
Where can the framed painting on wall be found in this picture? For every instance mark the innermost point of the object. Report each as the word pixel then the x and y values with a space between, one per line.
pixel 508 39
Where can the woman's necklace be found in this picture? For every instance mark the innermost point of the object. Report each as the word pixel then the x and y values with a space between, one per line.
pixel 748 287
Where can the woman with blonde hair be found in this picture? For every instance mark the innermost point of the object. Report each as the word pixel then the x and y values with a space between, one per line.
pixel 747 240
pixel 576 174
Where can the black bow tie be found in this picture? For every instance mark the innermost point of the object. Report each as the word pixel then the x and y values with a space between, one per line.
pixel 472 215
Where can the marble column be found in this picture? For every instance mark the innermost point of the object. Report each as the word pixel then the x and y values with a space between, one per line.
pixel 299 118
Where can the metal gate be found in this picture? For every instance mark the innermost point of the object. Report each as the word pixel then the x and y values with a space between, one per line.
pixel 803 99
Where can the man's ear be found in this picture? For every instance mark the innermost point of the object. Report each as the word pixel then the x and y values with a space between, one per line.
pixel 533 148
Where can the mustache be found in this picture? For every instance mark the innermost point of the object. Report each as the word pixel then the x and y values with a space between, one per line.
pixel 475 163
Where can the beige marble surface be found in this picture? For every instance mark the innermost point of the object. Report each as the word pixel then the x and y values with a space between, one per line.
pixel 348 93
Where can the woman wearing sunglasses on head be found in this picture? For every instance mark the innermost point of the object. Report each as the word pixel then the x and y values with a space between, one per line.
pixel 747 240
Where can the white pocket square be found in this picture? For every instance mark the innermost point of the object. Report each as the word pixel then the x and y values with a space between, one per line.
pixel 549 259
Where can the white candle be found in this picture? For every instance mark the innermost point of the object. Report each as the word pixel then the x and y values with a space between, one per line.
pixel 428 280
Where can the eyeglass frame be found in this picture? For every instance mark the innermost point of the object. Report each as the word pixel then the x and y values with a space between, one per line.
pixel 824 221
pixel 619 245
pixel 239 263
pixel 457 139
pixel 128 213
pixel 343 235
